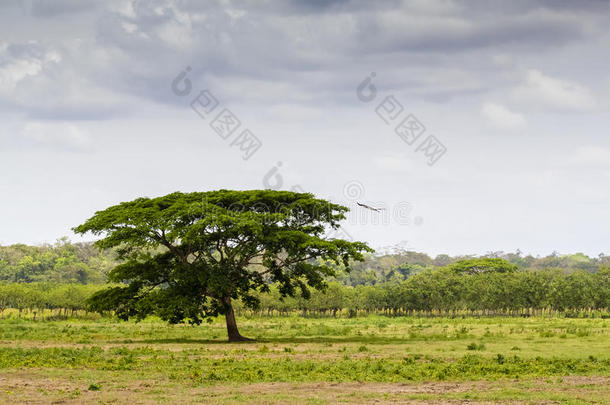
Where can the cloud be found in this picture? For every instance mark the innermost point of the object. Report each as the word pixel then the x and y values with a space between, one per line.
pixel 63 82
pixel 501 117
pixel 394 163
pixel 468 28
pixel 436 50
pixel 20 61
pixel 71 73
pixel 548 93
pixel 591 156
pixel 61 135
pixel 43 8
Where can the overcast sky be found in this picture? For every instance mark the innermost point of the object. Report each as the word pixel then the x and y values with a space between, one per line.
pixel 93 111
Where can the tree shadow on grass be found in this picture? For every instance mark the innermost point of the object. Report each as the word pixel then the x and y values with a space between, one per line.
pixel 282 339
pixel 380 340
pixel 169 341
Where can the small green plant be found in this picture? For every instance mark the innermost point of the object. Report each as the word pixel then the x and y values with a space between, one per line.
pixel 363 348
pixel 75 394
pixel 475 346
pixel 94 387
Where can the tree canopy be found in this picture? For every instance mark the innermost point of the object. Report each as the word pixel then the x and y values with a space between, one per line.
pixel 62 262
pixel 186 256
pixel 482 265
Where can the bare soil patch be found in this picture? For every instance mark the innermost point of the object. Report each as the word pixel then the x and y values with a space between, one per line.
pixel 36 386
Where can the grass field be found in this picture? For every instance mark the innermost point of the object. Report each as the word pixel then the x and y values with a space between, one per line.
pixel 306 360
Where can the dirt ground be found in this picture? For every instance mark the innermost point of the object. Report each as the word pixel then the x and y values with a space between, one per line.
pixel 38 387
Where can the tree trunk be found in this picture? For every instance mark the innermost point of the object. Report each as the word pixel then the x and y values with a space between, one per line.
pixel 232 330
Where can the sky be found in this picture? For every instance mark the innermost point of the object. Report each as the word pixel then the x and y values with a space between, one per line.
pixel 478 126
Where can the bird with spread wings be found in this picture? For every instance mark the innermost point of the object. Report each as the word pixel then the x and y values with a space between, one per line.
pixel 369 207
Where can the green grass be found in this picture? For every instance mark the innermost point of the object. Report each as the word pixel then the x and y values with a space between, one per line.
pixel 99 359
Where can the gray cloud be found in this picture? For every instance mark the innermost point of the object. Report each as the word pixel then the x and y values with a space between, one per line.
pixel 55 8
pixel 136 46
pixel 511 88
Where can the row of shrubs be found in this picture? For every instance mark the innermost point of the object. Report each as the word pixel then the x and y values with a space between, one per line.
pixel 439 291
pixel 443 291
pixel 40 296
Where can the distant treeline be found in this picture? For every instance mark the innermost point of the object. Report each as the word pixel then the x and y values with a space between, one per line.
pixel 455 290
pixel 82 263
pixel 62 276
pixel 62 262
pixel 479 286
pixel 399 264
pixel 38 298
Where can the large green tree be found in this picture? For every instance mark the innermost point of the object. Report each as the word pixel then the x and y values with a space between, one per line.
pixel 482 265
pixel 188 255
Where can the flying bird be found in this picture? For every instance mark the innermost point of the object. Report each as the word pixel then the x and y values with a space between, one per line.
pixel 369 207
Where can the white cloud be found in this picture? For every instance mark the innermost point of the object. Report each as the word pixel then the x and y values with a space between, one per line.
pixel 591 156
pixel 12 73
pixel 129 27
pixel 124 8
pixel 61 135
pixel 22 62
pixel 502 117
pixel 394 163
pixel 47 81
pixel 545 92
